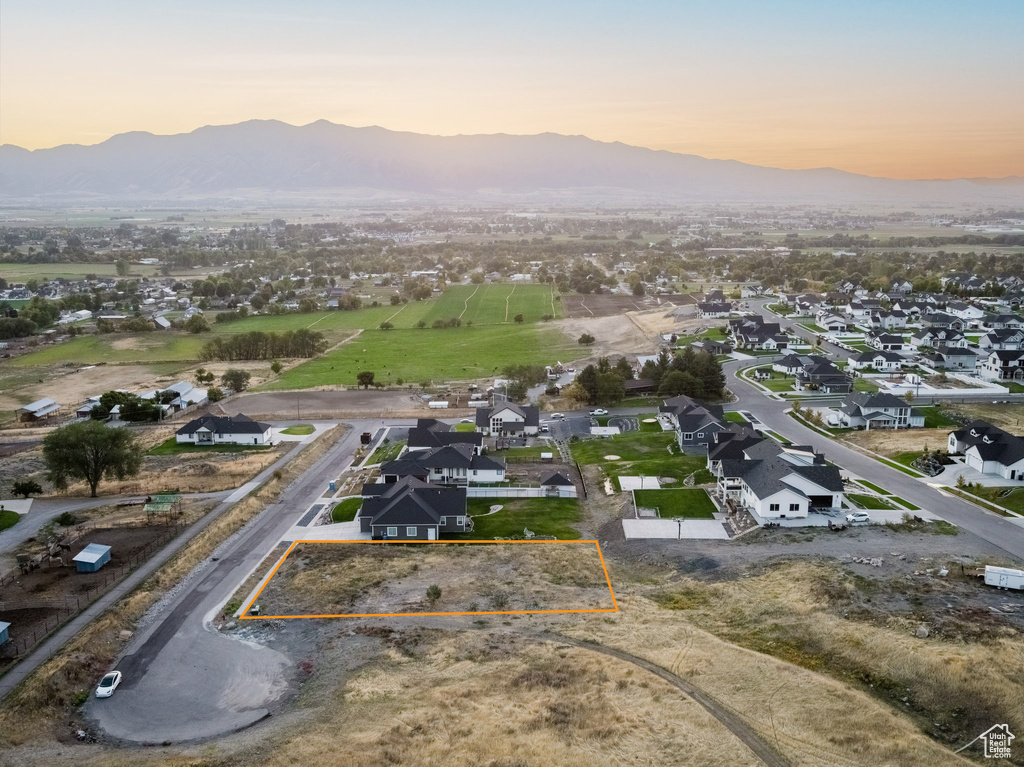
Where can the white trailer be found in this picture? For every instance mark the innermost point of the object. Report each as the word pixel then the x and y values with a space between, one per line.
pixel 1004 577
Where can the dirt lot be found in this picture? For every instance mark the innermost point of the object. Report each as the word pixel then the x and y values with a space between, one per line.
pixel 355 403
pixel 630 332
pixel 604 305
pixel 337 579
pixel 1008 416
pixel 892 442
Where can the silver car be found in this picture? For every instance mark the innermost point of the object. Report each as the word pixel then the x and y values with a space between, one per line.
pixel 108 684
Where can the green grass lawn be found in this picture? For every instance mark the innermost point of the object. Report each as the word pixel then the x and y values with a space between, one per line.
pixel 8 519
pixel 649 427
pixel 522 454
pixel 465 427
pixel 908 458
pixel 935 419
pixel 873 486
pixel 813 327
pixel 386 451
pixel 778 384
pixel 425 355
pixel 864 384
pixel 1011 498
pixel 868 501
pixel 346 510
pixel 641 453
pixel 544 516
pixel 691 503
pixel 734 417
pixel 299 429
pixel 170 447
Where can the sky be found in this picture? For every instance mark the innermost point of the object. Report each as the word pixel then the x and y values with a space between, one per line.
pixel 904 88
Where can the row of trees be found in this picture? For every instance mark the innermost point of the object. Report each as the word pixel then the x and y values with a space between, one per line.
pixel 258 345
pixel 601 384
pixel 689 372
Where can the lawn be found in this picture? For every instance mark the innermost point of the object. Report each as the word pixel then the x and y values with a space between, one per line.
pixel 868 501
pixel 8 519
pixel 543 516
pixel 1011 498
pixel 346 510
pixel 649 427
pixel 734 417
pixel 873 486
pixel 641 453
pixel 465 427
pixel 386 451
pixel 864 384
pixel 430 355
pixel 171 447
pixel 522 454
pixel 158 346
pixel 299 429
pixel 778 384
pixel 935 419
pixel 690 503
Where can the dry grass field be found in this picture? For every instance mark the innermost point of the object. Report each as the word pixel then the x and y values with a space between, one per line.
pixel 892 442
pixel 370 578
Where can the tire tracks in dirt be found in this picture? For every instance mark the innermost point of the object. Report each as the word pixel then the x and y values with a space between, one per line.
pixel 731 721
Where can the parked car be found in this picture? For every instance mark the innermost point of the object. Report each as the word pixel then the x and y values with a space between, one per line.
pixel 108 684
pixel 544 429
pixel 599 411
pixel 558 416
pixel 858 517
pixel 467 420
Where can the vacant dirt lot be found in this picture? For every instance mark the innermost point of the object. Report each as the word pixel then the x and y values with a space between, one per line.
pixel 337 579
pixel 354 403
pixel 603 305
pixel 891 442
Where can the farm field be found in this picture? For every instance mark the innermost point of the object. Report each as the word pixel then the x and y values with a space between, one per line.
pixel 493 303
pixel 14 272
pixel 118 348
pixel 430 355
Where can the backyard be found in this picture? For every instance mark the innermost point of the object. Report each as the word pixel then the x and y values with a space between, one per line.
pixel 691 503
pixel 346 510
pixel 543 516
pixel 641 453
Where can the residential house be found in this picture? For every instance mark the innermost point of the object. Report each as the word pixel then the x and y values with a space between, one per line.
pixel 823 376
pixel 989 450
pixel 412 510
pixel 1007 338
pixel 964 311
pixel 752 332
pixel 832 323
pixel 943 320
pixel 888 320
pixel 224 430
pixel 713 310
pixel 508 419
pixel 449 465
pixel 750 291
pixel 429 433
pixel 1003 322
pixel 730 444
pixel 939 338
pixel 1003 365
pixel 861 309
pixel 883 362
pixel 695 424
pixel 952 359
pixel 774 483
pixel 885 342
pixel 878 410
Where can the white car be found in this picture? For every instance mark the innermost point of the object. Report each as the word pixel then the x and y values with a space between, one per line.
pixel 599 411
pixel 858 517
pixel 558 416
pixel 108 684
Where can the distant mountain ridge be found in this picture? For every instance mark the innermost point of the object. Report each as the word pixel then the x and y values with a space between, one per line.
pixel 265 158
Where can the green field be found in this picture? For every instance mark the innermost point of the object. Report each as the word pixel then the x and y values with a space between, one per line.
pixel 543 516
pixel 118 347
pixel 346 510
pixel 431 355
pixel 25 272
pixel 494 303
pixel 172 447
pixel 8 519
pixel 689 503
pixel 641 453
pixel 299 429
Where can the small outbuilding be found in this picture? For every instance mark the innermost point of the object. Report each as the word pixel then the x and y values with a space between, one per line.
pixel 91 558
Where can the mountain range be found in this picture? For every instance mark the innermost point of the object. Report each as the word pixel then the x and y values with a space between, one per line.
pixel 268 159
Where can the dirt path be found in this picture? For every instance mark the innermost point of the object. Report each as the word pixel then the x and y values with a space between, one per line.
pixel 507 299
pixel 396 313
pixel 727 718
pixel 466 308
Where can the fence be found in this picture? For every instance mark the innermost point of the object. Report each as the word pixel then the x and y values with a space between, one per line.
pixel 23 639
pixel 520 492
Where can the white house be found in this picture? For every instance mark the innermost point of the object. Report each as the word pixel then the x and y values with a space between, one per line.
pixel 224 430
pixel 989 450
pixel 884 362
pixel 508 419
pixel 1003 365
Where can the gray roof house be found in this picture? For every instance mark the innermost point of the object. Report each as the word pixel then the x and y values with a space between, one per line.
pixel 507 418
pixel 878 410
pixel 219 430
pixel 989 450
pixel 457 464
pixel 413 510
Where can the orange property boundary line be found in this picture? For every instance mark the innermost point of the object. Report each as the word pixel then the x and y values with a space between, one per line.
pixel 604 567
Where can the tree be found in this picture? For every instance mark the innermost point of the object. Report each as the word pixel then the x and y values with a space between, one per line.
pixel 610 389
pixel 386 325
pixel 623 369
pixel 236 380
pixel 395 299
pixel 365 379
pixel 197 324
pixel 586 339
pixel 518 319
pixel 204 376
pixel 421 324
pixel 587 379
pixel 26 487
pixel 214 394
pixel 123 267
pixel 909 397
pixel 90 451
pixel 276 367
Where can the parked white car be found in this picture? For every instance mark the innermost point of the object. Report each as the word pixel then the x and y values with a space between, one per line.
pixel 108 684
pixel 599 411
pixel 858 518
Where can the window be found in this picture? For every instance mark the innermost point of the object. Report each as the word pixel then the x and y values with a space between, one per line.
pixel 794 507
pixel 462 521
pixel 444 521
pixel 688 435
pixel 410 531
pixel 392 532
pixel 773 507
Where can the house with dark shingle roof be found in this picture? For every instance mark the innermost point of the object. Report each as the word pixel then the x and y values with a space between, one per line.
pixel 879 410
pixel 694 423
pixel 775 482
pixel 989 450
pixel 458 464
pixel 413 510
pixel 429 433
pixel 224 430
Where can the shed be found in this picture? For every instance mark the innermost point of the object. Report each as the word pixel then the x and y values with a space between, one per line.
pixel 4 636
pixel 91 558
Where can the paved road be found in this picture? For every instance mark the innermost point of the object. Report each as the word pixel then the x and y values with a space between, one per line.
pixel 183 680
pixel 1007 535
